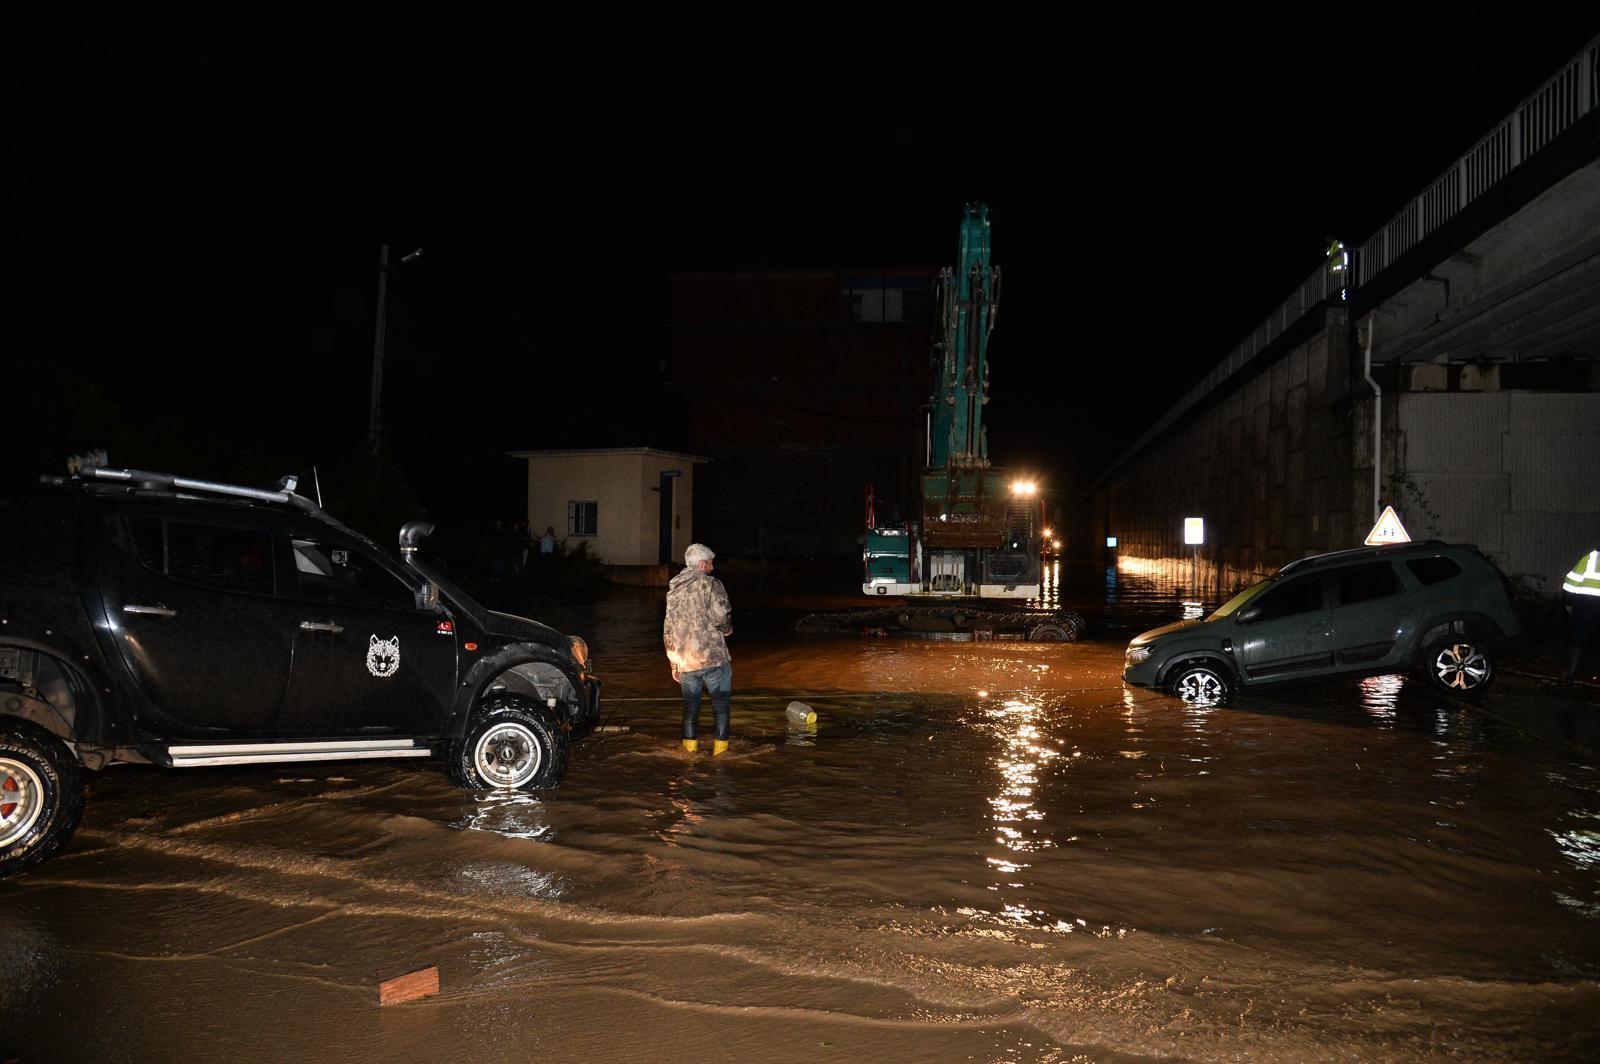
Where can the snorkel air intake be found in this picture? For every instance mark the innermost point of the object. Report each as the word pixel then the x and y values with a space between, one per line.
pixel 412 535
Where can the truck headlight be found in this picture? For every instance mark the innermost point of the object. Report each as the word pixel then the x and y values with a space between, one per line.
pixel 580 650
pixel 1137 654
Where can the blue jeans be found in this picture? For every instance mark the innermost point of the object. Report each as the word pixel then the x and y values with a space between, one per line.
pixel 719 681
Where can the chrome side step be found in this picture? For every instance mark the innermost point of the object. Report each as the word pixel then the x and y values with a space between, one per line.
pixel 270 753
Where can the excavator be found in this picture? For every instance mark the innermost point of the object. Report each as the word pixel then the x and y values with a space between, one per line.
pixel 968 565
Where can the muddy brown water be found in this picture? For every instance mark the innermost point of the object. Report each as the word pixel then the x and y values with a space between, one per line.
pixel 988 852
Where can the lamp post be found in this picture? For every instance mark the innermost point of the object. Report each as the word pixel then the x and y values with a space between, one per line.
pixel 375 415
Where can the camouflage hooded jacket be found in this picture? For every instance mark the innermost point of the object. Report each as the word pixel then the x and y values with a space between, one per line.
pixel 698 617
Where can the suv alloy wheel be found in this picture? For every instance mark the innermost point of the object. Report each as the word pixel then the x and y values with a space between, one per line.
pixel 1200 683
pixel 1460 666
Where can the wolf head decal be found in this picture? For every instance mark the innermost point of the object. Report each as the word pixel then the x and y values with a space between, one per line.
pixel 383 657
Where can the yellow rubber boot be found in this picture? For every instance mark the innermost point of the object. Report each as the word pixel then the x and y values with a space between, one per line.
pixel 719 746
pixel 692 745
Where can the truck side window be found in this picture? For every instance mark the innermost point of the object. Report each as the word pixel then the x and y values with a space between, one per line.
pixel 331 573
pixel 233 559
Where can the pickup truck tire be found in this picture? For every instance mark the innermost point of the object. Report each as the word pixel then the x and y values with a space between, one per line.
pixel 511 744
pixel 41 796
pixel 1460 665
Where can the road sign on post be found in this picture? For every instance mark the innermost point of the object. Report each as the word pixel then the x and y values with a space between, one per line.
pixel 1387 530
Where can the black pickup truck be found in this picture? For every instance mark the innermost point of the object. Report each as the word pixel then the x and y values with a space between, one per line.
pixel 150 618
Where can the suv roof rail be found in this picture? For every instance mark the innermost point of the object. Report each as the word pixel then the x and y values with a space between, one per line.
pixel 1356 552
pixel 284 495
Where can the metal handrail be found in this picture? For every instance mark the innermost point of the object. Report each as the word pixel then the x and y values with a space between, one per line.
pixel 1568 95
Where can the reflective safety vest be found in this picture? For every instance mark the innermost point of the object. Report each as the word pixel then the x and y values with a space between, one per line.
pixel 1585 576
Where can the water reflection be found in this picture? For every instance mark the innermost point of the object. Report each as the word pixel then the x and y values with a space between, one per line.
pixel 514 814
pixel 1580 846
pixel 1380 697
pixel 1018 765
pixel 1050 595
pixel 801 734
pixel 1139 594
pixel 1015 814
pixel 513 879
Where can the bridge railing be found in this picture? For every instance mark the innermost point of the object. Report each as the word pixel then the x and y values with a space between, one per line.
pixel 1570 94
pixel 1560 102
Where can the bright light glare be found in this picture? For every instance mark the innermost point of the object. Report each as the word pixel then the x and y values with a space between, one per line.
pixel 1023 487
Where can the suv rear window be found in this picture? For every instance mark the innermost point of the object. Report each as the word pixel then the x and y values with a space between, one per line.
pixel 1433 570
pixel 1364 583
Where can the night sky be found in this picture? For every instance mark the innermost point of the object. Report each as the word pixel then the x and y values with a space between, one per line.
pixel 195 198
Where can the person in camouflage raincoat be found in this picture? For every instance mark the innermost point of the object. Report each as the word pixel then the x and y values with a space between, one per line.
pixel 699 620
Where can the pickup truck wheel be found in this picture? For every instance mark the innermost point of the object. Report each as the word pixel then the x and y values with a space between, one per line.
pixel 511 744
pixel 41 797
pixel 1200 684
pixel 1460 666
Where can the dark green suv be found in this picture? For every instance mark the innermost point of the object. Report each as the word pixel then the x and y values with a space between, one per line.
pixel 1431 606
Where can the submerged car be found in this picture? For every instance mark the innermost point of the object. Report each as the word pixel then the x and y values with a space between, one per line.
pixel 1434 607
pixel 149 618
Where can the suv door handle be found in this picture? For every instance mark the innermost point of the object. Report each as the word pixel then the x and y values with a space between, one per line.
pixel 153 611
pixel 321 626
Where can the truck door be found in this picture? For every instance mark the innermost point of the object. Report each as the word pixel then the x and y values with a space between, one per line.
pixel 367 659
pixel 191 606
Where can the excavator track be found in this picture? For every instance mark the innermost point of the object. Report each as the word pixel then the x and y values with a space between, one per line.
pixel 951 620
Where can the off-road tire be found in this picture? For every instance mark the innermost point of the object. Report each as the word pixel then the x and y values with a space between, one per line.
pixel 1201 683
pixel 41 796
pixel 510 744
pixel 1462 666
pixel 1049 633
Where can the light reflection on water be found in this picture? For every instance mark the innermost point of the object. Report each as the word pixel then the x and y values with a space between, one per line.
pixel 1136 597
pixel 514 814
pixel 1380 697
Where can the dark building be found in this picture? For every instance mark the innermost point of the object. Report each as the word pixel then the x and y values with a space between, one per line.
pixel 803 387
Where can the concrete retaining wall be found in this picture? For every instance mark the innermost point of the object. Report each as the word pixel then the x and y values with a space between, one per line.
pixel 1515 473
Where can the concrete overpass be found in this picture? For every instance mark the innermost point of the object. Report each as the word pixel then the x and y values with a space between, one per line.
pixel 1449 366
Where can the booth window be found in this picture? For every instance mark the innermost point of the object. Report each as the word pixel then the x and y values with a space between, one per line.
pixel 583 518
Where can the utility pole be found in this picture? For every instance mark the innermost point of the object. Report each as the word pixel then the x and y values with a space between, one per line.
pixel 375 415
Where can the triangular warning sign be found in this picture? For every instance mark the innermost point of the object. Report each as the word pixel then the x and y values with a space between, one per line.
pixel 1387 530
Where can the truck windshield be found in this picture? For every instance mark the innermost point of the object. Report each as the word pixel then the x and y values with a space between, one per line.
pixel 1236 603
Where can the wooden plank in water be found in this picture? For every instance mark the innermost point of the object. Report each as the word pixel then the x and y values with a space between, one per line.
pixel 421 983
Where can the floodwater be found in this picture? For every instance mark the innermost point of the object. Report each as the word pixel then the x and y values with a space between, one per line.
pixel 986 852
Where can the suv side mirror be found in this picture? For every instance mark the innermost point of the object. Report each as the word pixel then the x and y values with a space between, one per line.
pixel 428 596
pixel 1248 614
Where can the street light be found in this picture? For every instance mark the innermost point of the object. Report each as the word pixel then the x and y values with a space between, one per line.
pixel 375 415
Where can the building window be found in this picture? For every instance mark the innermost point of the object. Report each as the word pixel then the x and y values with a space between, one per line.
pixel 583 518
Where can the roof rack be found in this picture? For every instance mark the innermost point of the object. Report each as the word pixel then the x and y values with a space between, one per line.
pixel 283 495
pixel 1355 552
